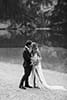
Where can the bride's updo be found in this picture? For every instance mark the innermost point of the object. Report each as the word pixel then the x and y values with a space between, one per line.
pixel 35 49
pixel 34 46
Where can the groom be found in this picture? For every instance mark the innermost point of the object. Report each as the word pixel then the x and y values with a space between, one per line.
pixel 27 65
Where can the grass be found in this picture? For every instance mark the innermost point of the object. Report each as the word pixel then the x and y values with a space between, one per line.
pixel 52 58
pixel 10 75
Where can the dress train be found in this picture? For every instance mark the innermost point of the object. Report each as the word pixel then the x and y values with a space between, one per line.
pixel 42 80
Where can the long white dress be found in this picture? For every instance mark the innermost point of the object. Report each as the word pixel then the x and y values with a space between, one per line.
pixel 41 77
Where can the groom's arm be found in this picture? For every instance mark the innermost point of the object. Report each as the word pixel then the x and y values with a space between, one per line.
pixel 26 56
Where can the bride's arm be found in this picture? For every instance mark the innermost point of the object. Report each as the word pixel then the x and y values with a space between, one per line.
pixel 39 55
pixel 34 60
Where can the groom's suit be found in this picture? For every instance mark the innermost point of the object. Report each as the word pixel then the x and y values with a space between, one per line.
pixel 27 67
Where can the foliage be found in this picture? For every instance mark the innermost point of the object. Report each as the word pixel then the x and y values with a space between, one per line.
pixel 43 21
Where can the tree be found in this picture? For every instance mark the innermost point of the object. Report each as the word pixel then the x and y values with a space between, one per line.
pixel 59 22
pixel 43 21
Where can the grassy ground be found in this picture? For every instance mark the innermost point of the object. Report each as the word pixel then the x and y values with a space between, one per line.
pixel 11 71
pixel 10 75
pixel 52 58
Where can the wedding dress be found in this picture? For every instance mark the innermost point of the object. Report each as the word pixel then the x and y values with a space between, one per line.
pixel 40 75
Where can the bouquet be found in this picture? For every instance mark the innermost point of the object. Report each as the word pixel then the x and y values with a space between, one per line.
pixel 34 61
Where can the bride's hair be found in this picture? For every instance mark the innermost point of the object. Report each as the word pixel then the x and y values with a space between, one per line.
pixel 35 47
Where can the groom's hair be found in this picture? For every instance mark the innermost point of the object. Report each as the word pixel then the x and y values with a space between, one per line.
pixel 28 43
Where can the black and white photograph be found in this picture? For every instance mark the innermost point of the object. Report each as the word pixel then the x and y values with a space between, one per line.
pixel 33 50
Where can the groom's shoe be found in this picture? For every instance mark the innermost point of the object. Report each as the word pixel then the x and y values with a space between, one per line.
pixel 22 87
pixel 28 86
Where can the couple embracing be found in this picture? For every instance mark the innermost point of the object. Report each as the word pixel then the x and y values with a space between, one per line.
pixel 32 63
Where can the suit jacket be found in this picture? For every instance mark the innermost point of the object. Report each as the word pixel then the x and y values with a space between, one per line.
pixel 27 58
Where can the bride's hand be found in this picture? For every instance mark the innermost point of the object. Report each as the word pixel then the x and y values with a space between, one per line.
pixel 39 58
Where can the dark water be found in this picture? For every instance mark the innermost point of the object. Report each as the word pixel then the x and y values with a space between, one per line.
pixel 11 38
pixel 16 38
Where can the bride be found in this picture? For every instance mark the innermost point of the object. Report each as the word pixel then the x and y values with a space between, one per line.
pixel 37 69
